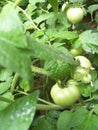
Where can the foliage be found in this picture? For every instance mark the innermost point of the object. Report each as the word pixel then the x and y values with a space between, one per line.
pixel 36 39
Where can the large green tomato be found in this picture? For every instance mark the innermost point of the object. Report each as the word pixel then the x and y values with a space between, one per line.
pixel 65 96
pixel 75 14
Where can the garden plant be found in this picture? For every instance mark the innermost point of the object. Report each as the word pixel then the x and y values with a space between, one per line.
pixel 48 64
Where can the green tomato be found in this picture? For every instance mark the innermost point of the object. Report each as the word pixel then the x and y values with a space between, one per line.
pixel 86 79
pixel 84 62
pixel 75 14
pixel 71 82
pixel 76 51
pixel 81 74
pixel 64 96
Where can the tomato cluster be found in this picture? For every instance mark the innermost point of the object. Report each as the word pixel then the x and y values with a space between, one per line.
pixel 82 72
pixel 68 95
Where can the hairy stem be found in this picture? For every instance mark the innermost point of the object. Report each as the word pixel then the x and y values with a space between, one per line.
pixel 5 99
pixel 17 2
pixel 48 107
pixel 39 70
pixel 29 18
pixel 15 79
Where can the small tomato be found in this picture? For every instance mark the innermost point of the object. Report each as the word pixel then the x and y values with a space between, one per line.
pixel 84 62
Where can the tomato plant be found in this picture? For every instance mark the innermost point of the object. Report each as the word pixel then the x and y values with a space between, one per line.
pixel 38 48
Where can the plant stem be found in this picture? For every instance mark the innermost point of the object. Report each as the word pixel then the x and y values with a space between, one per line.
pixel 34 69
pixel 15 79
pixel 44 101
pixel 29 18
pixel 39 70
pixel 5 99
pixel 17 2
pixel 48 107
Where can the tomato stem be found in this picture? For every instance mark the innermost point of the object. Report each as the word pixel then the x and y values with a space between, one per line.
pixel 48 107
pixel 29 18
pixel 44 101
pixel 39 70
pixel 15 79
pixel 34 69
pixel 17 2
pixel 5 99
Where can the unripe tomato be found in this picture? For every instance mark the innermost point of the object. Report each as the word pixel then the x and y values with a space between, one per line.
pixel 64 96
pixel 71 82
pixel 86 79
pixel 81 74
pixel 76 51
pixel 78 73
pixel 75 14
pixel 84 62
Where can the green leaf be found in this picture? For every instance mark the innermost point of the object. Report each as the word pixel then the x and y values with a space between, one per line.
pixel 57 69
pixel 95 85
pixel 25 85
pixel 11 28
pixel 79 117
pixel 84 120
pixel 85 89
pixel 5 104
pixel 96 108
pixel 46 52
pixel 91 123
pixel 19 114
pixel 92 8
pixel 41 123
pixel 89 41
pixel 4 86
pixel 68 35
pixel 64 119
pixel 43 17
pixel 5 74
pixel 63 20
pixel 14 59
pixel 54 4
